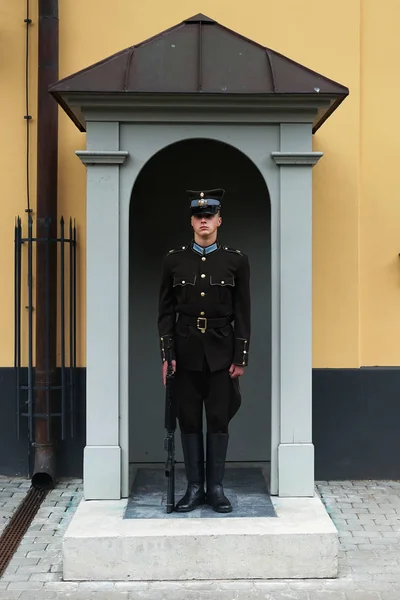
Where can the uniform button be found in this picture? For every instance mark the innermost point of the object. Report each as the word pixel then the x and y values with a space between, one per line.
pixel 243 363
pixel 202 275
pixel 183 281
pixel 222 282
pixel 202 313
pixel 183 247
pixel 244 351
pixel 202 294
pixel 204 259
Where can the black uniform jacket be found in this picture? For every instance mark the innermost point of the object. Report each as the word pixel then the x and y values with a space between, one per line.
pixel 205 284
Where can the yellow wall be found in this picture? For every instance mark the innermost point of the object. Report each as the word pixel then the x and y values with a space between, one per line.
pixel 13 197
pixel 380 205
pixel 356 241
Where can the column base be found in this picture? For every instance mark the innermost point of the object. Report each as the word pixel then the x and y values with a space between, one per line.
pixel 102 473
pixel 296 470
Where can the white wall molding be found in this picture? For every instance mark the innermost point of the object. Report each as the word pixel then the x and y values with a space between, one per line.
pixel 296 158
pixel 102 157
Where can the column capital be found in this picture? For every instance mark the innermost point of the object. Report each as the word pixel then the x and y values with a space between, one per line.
pixel 296 158
pixel 102 157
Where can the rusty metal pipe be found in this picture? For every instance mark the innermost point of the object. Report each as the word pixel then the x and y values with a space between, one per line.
pixel 46 258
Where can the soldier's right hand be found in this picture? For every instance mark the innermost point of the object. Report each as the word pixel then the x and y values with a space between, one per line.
pixel 164 370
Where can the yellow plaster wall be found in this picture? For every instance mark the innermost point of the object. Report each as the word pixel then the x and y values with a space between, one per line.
pixel 356 276
pixel 380 188
pixel 13 183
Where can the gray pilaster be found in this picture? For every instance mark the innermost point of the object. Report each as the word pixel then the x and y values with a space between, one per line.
pixel 295 451
pixel 102 455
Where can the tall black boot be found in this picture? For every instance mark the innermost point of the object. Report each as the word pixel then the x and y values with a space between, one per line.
pixel 217 445
pixel 193 452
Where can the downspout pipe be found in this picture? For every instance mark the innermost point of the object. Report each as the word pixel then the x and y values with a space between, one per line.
pixel 43 475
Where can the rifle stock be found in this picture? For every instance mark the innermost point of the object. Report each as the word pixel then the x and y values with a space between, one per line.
pixel 170 426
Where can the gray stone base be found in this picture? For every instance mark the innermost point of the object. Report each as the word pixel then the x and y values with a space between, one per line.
pixel 301 542
pixel 246 489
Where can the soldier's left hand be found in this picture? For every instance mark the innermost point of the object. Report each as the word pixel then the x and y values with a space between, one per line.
pixel 236 371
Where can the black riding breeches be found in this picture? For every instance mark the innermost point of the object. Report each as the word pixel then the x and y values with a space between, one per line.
pixel 217 390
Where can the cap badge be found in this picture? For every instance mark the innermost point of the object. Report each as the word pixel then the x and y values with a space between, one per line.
pixel 202 202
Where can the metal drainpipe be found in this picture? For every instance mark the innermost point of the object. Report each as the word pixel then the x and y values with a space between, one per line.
pixel 46 266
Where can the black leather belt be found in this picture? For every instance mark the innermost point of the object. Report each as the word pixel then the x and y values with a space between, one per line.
pixel 204 323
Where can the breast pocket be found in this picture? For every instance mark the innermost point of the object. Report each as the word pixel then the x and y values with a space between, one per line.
pixel 224 285
pixel 181 285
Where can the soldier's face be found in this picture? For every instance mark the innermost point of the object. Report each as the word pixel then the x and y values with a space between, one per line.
pixel 205 225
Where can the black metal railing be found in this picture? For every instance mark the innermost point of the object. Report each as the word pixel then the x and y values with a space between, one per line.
pixel 59 392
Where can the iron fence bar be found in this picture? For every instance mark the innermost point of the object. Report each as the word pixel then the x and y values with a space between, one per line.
pixel 32 388
pixel 62 330
pixel 30 329
pixel 17 319
pixel 73 416
pixel 47 328
pixel 71 350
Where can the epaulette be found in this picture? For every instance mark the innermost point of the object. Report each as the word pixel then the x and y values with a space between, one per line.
pixel 174 250
pixel 232 250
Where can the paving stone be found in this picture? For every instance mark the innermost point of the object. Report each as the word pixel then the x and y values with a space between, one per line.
pixel 25 585
pixel 41 553
pixel 62 586
pixel 344 584
pixel 272 585
pixel 136 586
pixel 362 596
pixel 352 527
pixel 43 595
pixel 29 546
pixel 326 595
pixel 96 586
pixel 12 577
pixel 17 561
pixel 284 595
pixel 44 577
pixel 236 585
pixel 387 578
pixel 115 595
pixel 10 569
pixel 391 595
pixel 29 569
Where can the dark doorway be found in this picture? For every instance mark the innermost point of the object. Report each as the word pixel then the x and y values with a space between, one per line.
pixel 159 221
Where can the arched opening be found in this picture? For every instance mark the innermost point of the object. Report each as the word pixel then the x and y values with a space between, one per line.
pixel 159 221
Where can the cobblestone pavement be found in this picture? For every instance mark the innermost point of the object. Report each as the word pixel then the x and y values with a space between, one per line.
pixel 366 513
pixel 12 492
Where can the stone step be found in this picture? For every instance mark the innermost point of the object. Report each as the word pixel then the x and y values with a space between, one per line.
pixel 300 542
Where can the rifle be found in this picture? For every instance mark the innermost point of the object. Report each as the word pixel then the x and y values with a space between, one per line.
pixel 170 426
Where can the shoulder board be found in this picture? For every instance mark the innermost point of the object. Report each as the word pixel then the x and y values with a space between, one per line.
pixel 232 250
pixel 174 250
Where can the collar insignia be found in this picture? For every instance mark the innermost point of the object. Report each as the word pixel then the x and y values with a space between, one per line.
pixel 202 251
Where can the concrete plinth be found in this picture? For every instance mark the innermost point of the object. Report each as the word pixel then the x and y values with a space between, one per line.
pixel 301 542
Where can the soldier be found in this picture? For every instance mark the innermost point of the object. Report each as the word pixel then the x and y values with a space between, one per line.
pixel 205 288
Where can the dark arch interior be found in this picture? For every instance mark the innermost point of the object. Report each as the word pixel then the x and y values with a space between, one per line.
pixel 160 220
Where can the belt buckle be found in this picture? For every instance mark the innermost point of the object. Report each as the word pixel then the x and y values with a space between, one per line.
pixel 202 329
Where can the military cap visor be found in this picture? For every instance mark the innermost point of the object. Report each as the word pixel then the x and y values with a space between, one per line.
pixel 205 201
